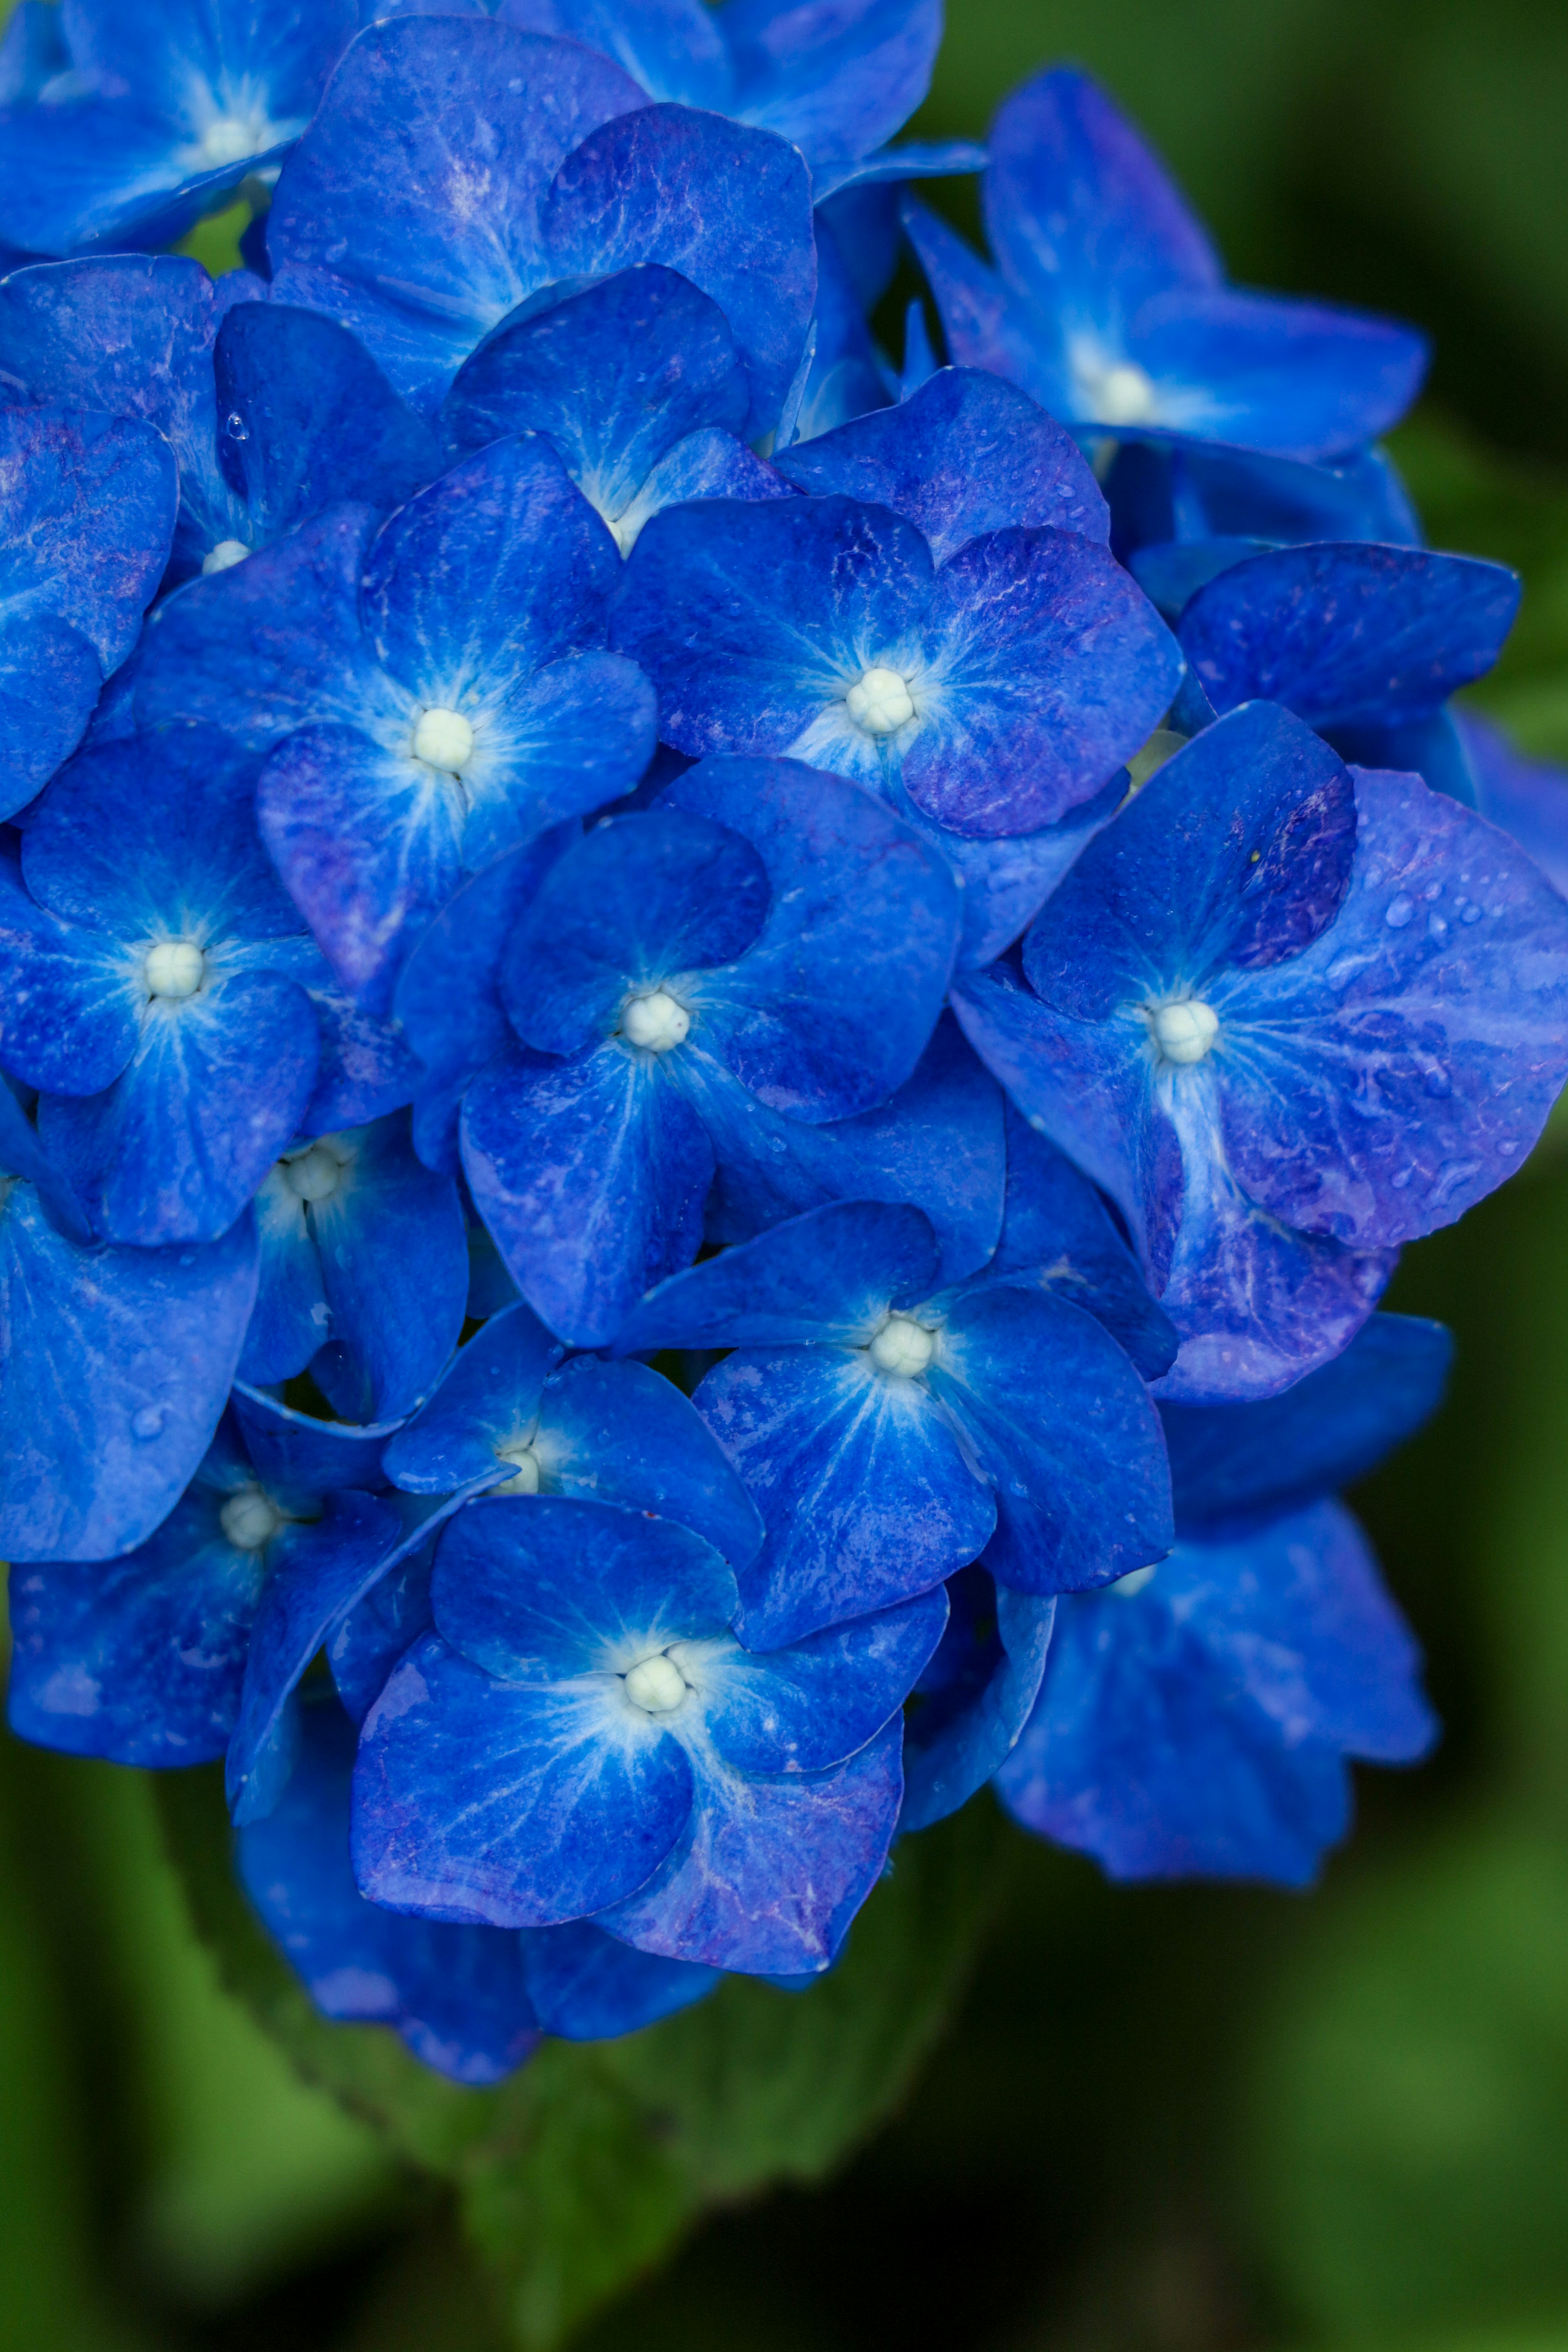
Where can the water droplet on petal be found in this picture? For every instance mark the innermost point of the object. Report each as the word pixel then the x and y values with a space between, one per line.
pixel 149 1421
pixel 1469 912
pixel 234 426
pixel 1439 1086
pixel 1400 910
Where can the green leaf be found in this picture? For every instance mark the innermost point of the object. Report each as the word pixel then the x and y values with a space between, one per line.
pixel 589 2165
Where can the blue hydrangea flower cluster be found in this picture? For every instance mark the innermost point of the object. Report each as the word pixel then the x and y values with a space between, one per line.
pixel 714 1051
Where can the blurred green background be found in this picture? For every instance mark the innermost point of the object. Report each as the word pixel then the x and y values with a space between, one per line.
pixel 1174 2121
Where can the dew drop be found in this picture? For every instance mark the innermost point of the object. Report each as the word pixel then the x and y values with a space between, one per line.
pixel 235 427
pixel 149 1421
pixel 1400 910
pixel 1439 1085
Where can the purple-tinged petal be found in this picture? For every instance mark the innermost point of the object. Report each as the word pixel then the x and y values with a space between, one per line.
pixel 1348 634
pixel 366 1069
pixel 966 455
pixel 623 197
pixel 985 326
pixel 769 1874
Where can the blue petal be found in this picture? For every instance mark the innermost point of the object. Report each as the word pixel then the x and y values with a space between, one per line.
pixel 1527 798
pixel 86 517
pixel 139 1660
pixel 1051 668
pixel 957 1737
pixel 808 1707
pixel 1412 1061
pixel 966 455
pixel 890 167
pixel 373 222
pixel 93 172
pixel 487 1398
pixel 615 375
pixel 32 52
pixel 394 1248
pixel 1238 851
pixel 860 1481
pixel 1297 378
pixel 1056 1417
pixel 1081 215
pixel 640 900
pixel 508 1804
pixel 708 464
pixel 936 1143
pixel 315 1573
pixel 1058 1234
pixel 306 419
pixel 1140 1753
pixel 448 1002
pixel 294 1451
pixel 837 80
pixel 1219 490
pixel 116 1364
pixel 672 48
pixel 291 1316
pixel 546 1590
pixel 369 1639
pixel 829 1012
pixel 369 842
pixel 181 56
pixel 1431 748
pixel 1326 1431
pixel 827 1277
pixel 175 1148
pixel 1349 634
pixel 984 325
pixel 590 1175
pixel 133 334
pixel 272 643
pixel 456 1995
pixel 366 1070
pixel 68 1005
pixel 618 200
pixel 586 1987
pixel 622 1433
pixel 769 1874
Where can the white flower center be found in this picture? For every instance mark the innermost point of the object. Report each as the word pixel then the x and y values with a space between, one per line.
pixel 313 1175
pixel 526 1463
pixel 230 139
pixel 249 1520
pixel 880 701
pixel 224 556
pixel 445 738
pixel 1184 1032
pixel 656 1684
pixel 174 968
pixel 1124 394
pixel 903 1346
pixel 657 1022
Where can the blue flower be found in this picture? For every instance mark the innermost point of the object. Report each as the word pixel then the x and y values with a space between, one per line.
pixel 167 1655
pixel 375 224
pixel 472 2002
pixel 638 386
pixel 1287 1018
pixel 1363 642
pixel 583 1735
pixel 365 1272
pixel 1185 508
pixel 1109 304
pixel 114 1363
pixel 889 1431
pixel 430 694
pixel 999 690
pixel 508 1409
pixel 1195 1719
pixel 764 932
pixel 147 984
pixel 272 414
pixel 168 105
pixel 87 513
